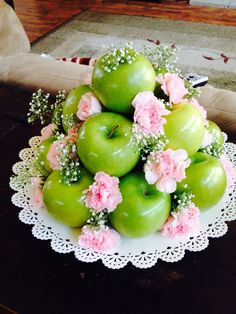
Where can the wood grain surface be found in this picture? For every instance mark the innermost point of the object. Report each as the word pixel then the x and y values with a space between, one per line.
pixel 177 10
pixel 39 17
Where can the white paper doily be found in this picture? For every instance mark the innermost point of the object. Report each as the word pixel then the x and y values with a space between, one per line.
pixel 143 252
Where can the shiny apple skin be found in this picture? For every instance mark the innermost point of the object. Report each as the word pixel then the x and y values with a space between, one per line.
pixel 216 132
pixel 116 155
pixel 184 128
pixel 117 89
pixel 143 210
pixel 207 180
pixel 72 102
pixel 41 156
pixel 66 202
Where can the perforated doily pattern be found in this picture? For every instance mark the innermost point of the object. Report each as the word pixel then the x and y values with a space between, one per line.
pixel 64 240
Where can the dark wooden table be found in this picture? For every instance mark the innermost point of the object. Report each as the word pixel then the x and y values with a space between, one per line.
pixel 36 280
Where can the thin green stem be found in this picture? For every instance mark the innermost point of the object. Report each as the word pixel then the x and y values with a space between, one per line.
pixel 113 130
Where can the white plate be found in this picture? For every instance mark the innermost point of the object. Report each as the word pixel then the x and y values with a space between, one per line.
pixel 142 252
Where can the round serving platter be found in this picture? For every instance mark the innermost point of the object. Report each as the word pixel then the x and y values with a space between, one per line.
pixel 142 252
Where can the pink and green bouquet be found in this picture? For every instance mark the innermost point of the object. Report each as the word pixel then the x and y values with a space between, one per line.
pixel 130 154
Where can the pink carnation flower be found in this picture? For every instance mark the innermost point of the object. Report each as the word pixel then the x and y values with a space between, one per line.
pixel 47 131
pixel 148 112
pixel 182 223
pixel 166 168
pixel 38 193
pixel 229 170
pixel 102 240
pixel 54 154
pixel 173 86
pixel 201 109
pixel 207 139
pixel 104 193
pixel 88 105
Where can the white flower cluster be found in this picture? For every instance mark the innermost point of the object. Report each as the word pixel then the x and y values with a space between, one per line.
pixel 70 120
pixel 69 163
pixel 26 173
pixel 215 149
pixel 147 143
pixel 192 91
pixel 67 159
pixel 114 57
pixel 98 220
pixel 39 107
pixel 162 57
pixel 57 107
pixel 182 200
pixel 61 96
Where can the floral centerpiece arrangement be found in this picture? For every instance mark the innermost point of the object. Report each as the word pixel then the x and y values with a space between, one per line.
pixel 131 154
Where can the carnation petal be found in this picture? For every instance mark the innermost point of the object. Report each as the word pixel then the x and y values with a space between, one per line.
pixel 88 106
pixel 104 193
pixel 103 240
pixel 185 222
pixel 229 170
pixel 173 86
pixel 201 109
pixel 207 138
pixel 180 154
pixel 150 176
pixel 47 131
pixel 166 185
pixel 38 197
pixel 148 112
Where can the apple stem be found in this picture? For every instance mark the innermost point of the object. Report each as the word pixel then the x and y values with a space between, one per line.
pixel 113 130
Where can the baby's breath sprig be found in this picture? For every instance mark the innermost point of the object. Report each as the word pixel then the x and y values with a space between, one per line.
pixel 70 120
pixel 162 57
pixel 26 173
pixel 148 143
pixel 192 91
pixel 69 163
pixel 57 107
pixel 39 107
pixel 182 200
pixel 115 57
pixel 57 114
pixel 97 220
pixel 215 149
pixel 60 97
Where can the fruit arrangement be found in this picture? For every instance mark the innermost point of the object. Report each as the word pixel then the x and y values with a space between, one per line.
pixel 131 154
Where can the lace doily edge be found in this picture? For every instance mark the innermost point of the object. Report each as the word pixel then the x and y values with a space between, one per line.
pixel 113 261
pixel 144 260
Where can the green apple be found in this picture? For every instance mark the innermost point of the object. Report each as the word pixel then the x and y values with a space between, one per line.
pixel 216 133
pixel 206 179
pixel 184 128
pixel 66 202
pixel 70 107
pixel 105 143
pixel 117 89
pixel 42 162
pixel 143 210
